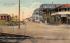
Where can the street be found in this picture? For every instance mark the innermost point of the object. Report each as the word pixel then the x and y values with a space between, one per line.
pixel 42 33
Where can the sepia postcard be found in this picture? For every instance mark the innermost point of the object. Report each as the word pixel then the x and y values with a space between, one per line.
pixel 34 21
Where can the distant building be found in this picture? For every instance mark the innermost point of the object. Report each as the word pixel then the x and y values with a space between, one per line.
pixel 37 15
pixel 5 17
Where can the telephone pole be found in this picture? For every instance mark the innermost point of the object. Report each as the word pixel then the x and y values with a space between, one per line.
pixel 19 13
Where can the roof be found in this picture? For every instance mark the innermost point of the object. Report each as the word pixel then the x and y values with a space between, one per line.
pixel 4 15
pixel 49 5
pixel 65 6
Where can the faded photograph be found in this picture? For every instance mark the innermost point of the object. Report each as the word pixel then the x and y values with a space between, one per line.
pixel 34 21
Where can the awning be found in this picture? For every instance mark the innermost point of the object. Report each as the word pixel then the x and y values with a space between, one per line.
pixel 60 13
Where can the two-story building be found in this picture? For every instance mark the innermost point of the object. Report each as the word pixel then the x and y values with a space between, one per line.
pixel 60 15
pixel 45 8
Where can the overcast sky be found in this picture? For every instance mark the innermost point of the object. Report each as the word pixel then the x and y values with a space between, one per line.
pixel 27 6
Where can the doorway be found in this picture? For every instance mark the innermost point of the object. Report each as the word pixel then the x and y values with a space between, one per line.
pixel 63 20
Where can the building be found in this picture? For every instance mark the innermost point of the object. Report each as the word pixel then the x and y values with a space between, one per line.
pixel 5 17
pixel 45 8
pixel 60 15
pixel 46 13
pixel 37 15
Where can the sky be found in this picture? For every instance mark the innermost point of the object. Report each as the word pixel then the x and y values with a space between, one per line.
pixel 27 6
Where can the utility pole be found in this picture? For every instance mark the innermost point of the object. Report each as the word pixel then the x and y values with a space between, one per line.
pixel 19 13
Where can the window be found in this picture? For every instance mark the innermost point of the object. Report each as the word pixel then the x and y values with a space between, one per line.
pixel 36 18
